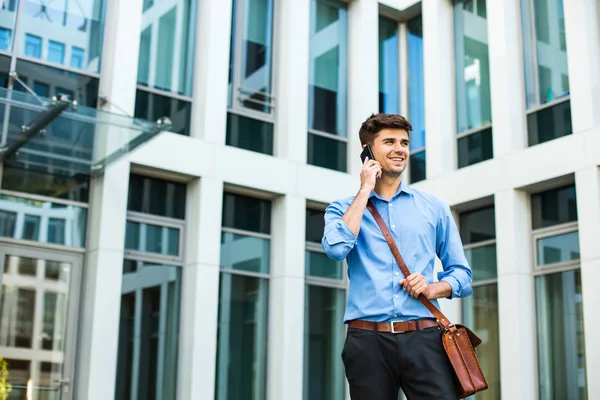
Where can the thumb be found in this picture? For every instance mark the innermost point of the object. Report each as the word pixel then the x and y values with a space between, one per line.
pixel 401 282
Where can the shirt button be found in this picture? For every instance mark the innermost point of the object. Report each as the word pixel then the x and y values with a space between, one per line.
pixel 390 204
pixel 397 273
pixel 393 226
pixel 395 315
pixel 396 296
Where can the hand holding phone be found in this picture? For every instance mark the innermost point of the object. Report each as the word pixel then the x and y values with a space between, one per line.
pixel 366 153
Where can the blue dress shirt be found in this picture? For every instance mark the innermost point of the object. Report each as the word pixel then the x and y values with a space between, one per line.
pixel 422 227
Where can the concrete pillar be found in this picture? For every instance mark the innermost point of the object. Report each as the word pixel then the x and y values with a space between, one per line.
pixel 587 183
pixel 506 66
pixel 286 299
pixel 440 114
pixel 211 70
pixel 291 63
pixel 101 294
pixel 516 296
pixel 582 25
pixel 99 328
pixel 200 291
pixel 363 76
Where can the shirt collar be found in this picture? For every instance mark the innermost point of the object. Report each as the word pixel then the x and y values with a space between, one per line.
pixel 402 188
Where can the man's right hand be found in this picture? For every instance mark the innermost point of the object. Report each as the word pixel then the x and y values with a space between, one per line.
pixel 371 170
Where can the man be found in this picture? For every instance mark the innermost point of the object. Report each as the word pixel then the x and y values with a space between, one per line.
pixel 378 361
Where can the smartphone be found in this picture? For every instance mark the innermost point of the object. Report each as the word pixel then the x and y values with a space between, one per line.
pixel 366 153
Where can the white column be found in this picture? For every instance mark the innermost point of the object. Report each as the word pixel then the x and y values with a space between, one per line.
pixel 200 291
pixel 291 65
pixel 211 70
pixel 440 101
pixel 516 298
pixel 506 76
pixel 286 299
pixel 363 76
pixel 587 183
pixel 101 294
pixel 582 25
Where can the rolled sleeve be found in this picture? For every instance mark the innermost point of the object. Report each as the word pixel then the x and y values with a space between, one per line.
pixel 338 239
pixel 456 269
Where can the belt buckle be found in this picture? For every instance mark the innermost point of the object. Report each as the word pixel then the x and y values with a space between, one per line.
pixel 392 327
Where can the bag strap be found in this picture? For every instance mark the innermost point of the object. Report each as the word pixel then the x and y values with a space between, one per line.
pixel 441 318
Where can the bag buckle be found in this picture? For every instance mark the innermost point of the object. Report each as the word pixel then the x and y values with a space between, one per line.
pixel 392 327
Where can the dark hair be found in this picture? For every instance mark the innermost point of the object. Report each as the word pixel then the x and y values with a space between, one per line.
pixel 377 122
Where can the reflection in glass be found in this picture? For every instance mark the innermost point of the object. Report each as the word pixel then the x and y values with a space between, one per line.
pixel 17 313
pixel 389 64
pixel 321 266
pixel 559 248
pixel 249 133
pixel 148 333
pixel 418 166
pixel 480 313
pixel 544 51
pixel 54 321
pixel 166 59
pixel 475 148
pixel 549 123
pixel 328 68
pixel 323 343
pixel 327 152
pixel 156 196
pixel 560 336
pixel 242 338
pixel 8 14
pixel 252 87
pixel 246 213
pixel 478 225
pixel 7 223
pixel 66 224
pixel 554 207
pixel 416 85
pixel 483 262
pixel 472 67
pixel 152 238
pixel 152 106
pixel 245 253
pixel 61 27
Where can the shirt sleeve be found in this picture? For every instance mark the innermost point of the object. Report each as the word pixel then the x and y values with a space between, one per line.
pixel 449 248
pixel 338 239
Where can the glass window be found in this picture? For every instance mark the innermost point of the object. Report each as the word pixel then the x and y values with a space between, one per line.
pixel 246 213
pixel 549 123
pixel 56 52
pixel 242 338
pixel 324 340
pixel 416 98
pixel 152 238
pixel 560 336
pixel 554 207
pixel 472 67
pixel 558 248
pixel 320 266
pixel 5 39
pixel 327 92
pixel 156 196
pixel 81 22
pixel 77 57
pixel 148 332
pixel 250 82
pixel 482 260
pixel 249 133
pixel 21 218
pixel 245 253
pixel 475 148
pixel 478 225
pixel 152 106
pixel 168 55
pixel 389 65
pixel 315 225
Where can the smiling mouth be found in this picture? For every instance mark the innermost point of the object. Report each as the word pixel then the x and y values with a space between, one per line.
pixel 397 159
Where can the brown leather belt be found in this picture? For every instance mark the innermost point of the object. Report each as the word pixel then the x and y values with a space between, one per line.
pixel 395 326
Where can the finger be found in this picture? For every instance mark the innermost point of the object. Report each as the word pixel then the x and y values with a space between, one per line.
pixel 366 161
pixel 416 277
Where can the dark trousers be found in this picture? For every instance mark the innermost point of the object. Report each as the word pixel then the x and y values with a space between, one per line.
pixel 378 364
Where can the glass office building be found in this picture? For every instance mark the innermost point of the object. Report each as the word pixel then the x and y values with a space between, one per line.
pixel 165 167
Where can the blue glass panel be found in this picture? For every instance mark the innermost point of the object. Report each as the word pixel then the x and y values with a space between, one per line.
pixel 388 66
pixel 416 83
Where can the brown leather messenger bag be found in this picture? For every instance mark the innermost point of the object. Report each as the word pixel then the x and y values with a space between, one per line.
pixel 458 340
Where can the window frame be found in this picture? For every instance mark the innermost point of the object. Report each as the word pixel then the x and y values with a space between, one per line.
pixel 236 89
pixel 258 235
pixel 325 282
pixel 551 231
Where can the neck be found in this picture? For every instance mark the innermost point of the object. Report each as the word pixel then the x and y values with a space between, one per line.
pixel 387 185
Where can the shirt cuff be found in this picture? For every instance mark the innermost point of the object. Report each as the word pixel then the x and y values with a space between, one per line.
pixel 341 233
pixel 454 284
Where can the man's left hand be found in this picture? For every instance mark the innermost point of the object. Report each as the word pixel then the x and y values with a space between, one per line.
pixel 415 285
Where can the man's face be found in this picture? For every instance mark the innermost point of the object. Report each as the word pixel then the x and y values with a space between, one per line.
pixel 390 149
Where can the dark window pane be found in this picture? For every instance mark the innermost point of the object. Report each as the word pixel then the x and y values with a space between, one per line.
pixel 7 223
pixel 483 262
pixel 327 153
pixel 319 265
pixel 246 213
pixel 417 167
pixel 475 148
pixel 478 225
pixel 549 123
pixel 558 248
pixel 156 196
pixel 249 133
pixel 323 341
pixel 242 345
pixel 153 106
pixel 553 207
pixel 315 225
